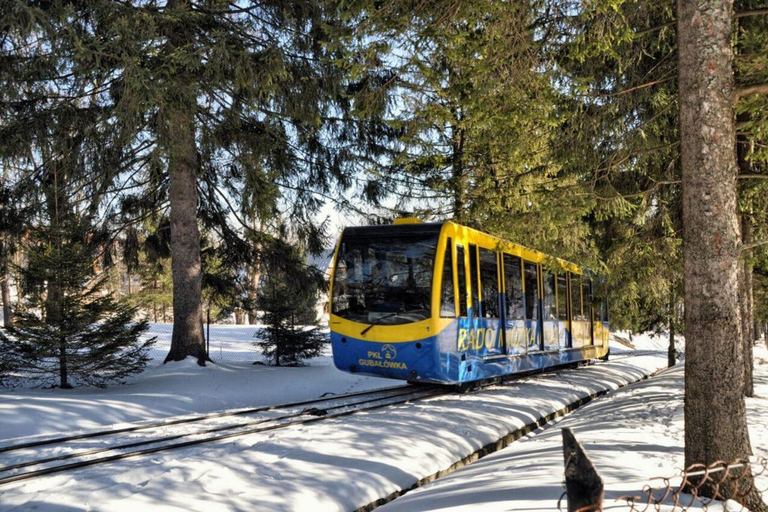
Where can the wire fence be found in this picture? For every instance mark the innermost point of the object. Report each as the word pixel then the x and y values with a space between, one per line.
pixel 740 483
pixel 738 486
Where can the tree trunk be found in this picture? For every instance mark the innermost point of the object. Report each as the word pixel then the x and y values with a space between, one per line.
pixel 715 414
pixel 186 269
pixel 671 351
pixel 746 310
pixel 254 276
pixel 457 170
pixel 5 289
pixel 239 317
pixel 154 300
pixel 63 375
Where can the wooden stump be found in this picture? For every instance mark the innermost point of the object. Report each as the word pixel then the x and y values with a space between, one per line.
pixel 583 485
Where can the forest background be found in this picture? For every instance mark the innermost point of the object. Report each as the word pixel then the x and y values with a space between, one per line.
pixel 165 159
pixel 553 124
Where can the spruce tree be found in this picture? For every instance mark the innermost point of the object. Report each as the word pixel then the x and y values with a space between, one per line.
pixel 473 122
pixel 287 298
pixel 68 328
pixel 237 112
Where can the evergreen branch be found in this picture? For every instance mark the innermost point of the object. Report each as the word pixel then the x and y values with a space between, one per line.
pixel 737 15
pixel 750 12
pixel 638 87
pixel 656 28
pixel 752 176
pixel 633 154
pixel 753 245
pixel 655 186
pixel 743 92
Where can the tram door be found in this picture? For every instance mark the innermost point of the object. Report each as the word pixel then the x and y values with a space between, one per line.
pixel 579 327
pixel 461 278
pixel 588 314
pixel 448 290
pixel 515 322
pixel 563 323
pixel 549 306
pixel 490 299
pixel 532 300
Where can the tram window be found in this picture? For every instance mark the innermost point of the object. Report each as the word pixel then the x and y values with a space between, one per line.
pixel 531 291
pixel 448 301
pixel 462 281
pixel 550 307
pixel 489 280
pixel 576 298
pixel 474 291
pixel 515 299
pixel 562 297
pixel 386 280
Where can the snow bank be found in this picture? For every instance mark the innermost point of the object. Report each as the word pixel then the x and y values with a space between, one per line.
pixel 631 436
pixel 338 465
pixel 173 389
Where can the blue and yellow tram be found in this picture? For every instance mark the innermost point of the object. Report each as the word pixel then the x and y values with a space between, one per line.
pixel 441 302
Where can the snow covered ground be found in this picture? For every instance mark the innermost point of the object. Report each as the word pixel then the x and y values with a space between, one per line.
pixel 341 464
pixel 177 388
pixel 631 436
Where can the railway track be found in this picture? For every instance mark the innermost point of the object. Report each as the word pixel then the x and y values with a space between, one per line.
pixel 28 460
pixel 24 461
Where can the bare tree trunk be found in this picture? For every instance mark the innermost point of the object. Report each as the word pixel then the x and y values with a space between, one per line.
pixel 154 300
pixel 239 317
pixel 186 269
pixel 672 351
pixel 715 414
pixel 746 312
pixel 457 170
pixel 254 276
pixel 5 286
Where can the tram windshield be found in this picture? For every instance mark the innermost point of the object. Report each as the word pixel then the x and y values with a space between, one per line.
pixel 384 279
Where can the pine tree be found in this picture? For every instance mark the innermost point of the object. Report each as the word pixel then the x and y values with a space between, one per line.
pixel 235 112
pixel 472 119
pixel 288 298
pixel 68 327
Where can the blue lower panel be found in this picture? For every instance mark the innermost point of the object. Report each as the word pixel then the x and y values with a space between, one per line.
pixel 460 353
pixel 414 360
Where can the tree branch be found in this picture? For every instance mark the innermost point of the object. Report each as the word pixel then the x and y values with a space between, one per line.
pixel 742 14
pixel 750 12
pixel 752 176
pixel 742 92
pixel 753 245
pixel 637 87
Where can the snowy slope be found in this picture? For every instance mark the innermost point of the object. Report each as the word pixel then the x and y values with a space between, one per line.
pixel 338 465
pixel 177 388
pixel 173 389
pixel 631 436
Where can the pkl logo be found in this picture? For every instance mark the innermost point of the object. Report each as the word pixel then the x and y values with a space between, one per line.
pixel 389 352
